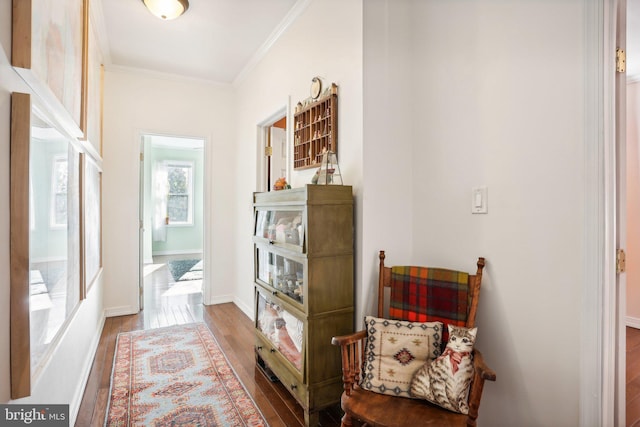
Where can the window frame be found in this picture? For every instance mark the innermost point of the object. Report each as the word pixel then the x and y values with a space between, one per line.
pixel 190 165
pixel 52 205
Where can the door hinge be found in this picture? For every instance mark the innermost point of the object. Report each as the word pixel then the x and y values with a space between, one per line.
pixel 268 151
pixel 621 60
pixel 621 261
pixel 142 157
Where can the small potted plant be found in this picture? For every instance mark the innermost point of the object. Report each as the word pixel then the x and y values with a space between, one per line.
pixel 281 184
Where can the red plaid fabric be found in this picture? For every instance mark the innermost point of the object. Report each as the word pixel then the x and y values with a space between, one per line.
pixel 420 294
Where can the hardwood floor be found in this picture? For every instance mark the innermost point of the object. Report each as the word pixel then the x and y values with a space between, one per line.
pixel 233 331
pixel 633 377
pixel 167 303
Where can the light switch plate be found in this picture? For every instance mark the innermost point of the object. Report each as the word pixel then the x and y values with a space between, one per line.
pixel 479 200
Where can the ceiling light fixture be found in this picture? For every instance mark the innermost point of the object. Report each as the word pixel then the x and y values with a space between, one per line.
pixel 167 9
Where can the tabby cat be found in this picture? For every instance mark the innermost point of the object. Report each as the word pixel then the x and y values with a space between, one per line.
pixel 445 381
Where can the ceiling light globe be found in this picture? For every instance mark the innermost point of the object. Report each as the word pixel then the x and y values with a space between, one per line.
pixel 167 9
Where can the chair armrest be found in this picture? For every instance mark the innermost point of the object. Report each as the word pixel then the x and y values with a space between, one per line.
pixel 484 371
pixel 352 352
pixel 348 339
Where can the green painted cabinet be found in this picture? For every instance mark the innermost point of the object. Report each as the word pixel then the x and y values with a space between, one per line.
pixel 303 264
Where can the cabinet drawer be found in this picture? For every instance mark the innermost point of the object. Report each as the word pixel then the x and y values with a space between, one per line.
pixel 291 380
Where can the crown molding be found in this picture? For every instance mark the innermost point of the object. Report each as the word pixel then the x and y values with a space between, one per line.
pixel 298 8
pixel 162 75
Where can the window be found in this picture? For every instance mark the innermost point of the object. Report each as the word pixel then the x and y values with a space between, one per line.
pixel 180 199
pixel 59 175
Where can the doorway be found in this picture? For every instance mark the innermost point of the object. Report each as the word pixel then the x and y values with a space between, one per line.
pixel 271 160
pixel 277 160
pixel 172 227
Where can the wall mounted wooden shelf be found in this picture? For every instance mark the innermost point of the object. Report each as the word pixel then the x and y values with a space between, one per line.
pixel 315 129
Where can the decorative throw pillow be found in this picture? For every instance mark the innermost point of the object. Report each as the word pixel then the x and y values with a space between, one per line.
pixel 395 350
pixel 446 380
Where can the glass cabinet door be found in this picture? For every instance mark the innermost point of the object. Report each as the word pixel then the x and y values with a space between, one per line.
pixel 284 330
pixel 280 226
pixel 283 274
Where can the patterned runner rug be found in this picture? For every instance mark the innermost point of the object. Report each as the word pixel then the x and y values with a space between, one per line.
pixel 176 376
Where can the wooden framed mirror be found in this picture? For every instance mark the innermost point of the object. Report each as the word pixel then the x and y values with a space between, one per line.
pixel 45 238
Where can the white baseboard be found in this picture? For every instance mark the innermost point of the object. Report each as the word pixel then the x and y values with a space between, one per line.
pixel 248 310
pixel 633 322
pixel 223 299
pixel 74 407
pixel 177 252
pixel 120 311
pixel 220 299
pixel 148 260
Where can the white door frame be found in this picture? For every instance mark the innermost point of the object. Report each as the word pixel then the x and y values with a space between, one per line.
pixel 602 392
pixel 620 287
pixel 141 229
pixel 262 133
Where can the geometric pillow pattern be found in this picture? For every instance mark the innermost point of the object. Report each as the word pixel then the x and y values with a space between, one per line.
pixel 395 350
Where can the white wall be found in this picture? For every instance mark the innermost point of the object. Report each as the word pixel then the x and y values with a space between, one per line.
pixel 325 41
pixel 387 212
pixel 63 378
pixel 64 375
pixel 135 103
pixel 499 101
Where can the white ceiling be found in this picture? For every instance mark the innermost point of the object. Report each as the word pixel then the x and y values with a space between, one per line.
pixel 214 40
pixel 220 40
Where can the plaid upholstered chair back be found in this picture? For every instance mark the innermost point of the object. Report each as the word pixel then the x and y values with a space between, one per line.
pixel 426 294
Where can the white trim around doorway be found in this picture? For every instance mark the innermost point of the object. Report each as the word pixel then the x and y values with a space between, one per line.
pixel 599 315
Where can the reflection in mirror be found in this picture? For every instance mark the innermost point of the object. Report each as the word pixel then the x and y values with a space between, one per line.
pixel 92 225
pixel 53 236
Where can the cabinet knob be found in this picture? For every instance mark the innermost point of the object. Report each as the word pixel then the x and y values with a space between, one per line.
pixel 273 350
pixel 274 292
pixel 259 347
pixel 271 242
pixel 293 386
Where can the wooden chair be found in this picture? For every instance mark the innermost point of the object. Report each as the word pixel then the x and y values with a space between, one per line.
pixel 376 409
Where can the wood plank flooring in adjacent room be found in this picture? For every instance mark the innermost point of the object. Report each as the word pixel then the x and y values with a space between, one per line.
pixel 633 377
pixel 233 331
